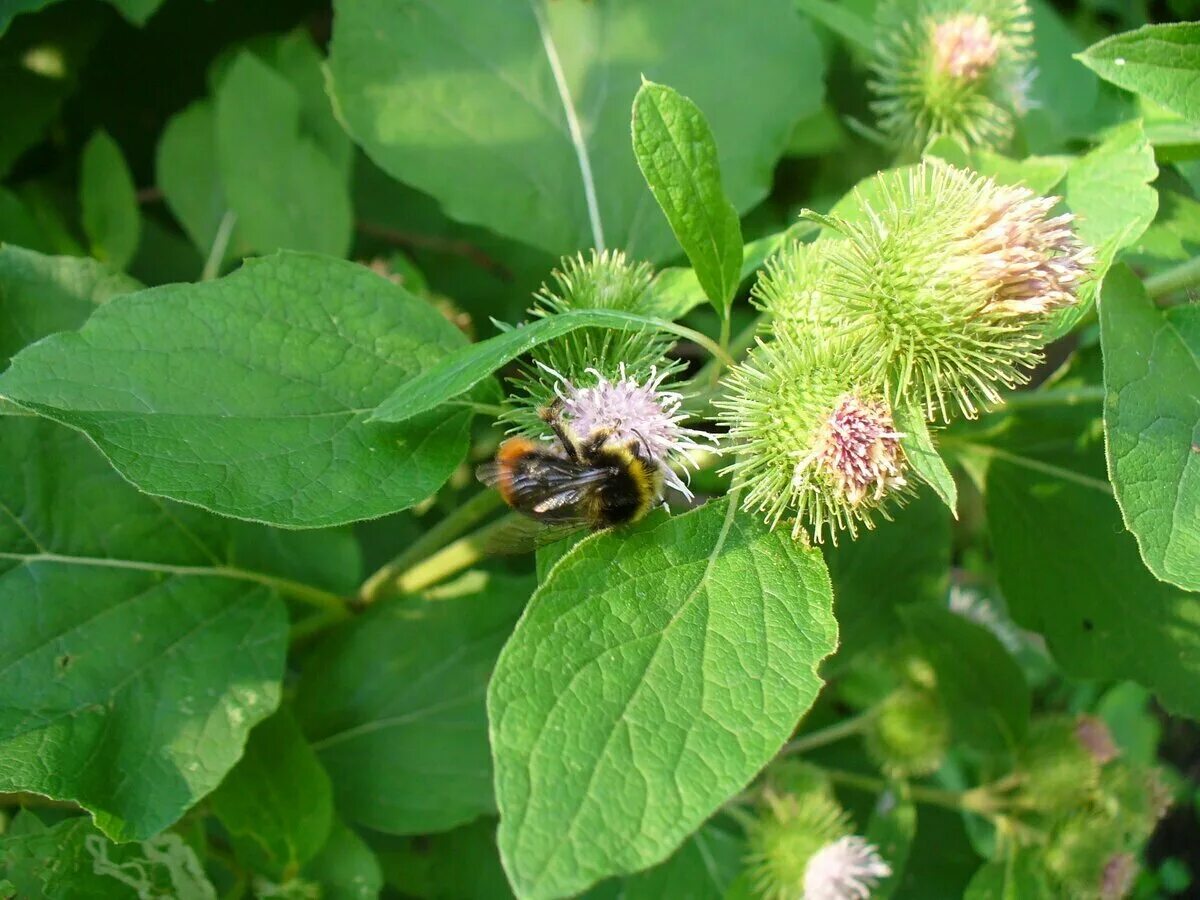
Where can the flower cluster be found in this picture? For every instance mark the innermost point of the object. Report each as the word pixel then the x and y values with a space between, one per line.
pixel 951 68
pixel 930 297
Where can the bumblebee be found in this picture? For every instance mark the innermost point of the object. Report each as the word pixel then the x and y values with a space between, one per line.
pixel 590 480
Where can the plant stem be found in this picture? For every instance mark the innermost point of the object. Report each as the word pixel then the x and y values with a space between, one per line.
pixel 718 363
pixel 956 800
pixel 453 558
pixel 385 580
pixel 1182 276
pixel 822 736
pixel 216 253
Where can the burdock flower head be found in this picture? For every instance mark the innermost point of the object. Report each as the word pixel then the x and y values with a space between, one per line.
pixel 955 68
pixel 603 280
pixel 813 441
pixel 633 411
pixel 944 282
pixel 801 846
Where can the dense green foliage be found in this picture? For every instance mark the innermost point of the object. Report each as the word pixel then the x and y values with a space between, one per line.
pixel 267 280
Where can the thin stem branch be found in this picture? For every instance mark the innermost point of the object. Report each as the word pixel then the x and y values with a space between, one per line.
pixel 453 558
pixel 839 731
pixel 1182 276
pixel 956 800
pixel 385 581
pixel 216 253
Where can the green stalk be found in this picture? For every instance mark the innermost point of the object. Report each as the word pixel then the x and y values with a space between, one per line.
pixel 453 558
pixel 385 581
pixel 837 732
pixel 1182 276
pixel 973 800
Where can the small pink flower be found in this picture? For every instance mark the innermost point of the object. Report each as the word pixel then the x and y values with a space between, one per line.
pixel 847 869
pixel 965 47
pixel 859 449
pixel 1094 735
pixel 641 414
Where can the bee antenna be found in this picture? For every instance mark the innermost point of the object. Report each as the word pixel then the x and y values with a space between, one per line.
pixel 645 443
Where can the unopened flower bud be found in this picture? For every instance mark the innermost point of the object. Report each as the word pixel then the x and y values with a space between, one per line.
pixel 909 733
pixel 1059 771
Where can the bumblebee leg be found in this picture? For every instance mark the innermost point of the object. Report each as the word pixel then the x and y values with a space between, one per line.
pixel 552 416
pixel 595 441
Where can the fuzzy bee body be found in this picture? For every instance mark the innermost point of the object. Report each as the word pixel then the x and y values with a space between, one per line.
pixel 592 481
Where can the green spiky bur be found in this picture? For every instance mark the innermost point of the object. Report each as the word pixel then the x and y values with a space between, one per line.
pixel 914 294
pixel 909 733
pixel 1058 772
pixel 954 68
pixel 778 408
pixel 600 281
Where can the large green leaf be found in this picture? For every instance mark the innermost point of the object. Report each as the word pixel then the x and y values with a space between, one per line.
pixel 1070 570
pixel 136 650
pixel 526 104
pixel 903 561
pixel 109 202
pixel 703 868
pixel 40 295
pixel 465 368
pixel 678 157
pixel 653 674
pixel 394 705
pixel 285 190
pixel 72 861
pixel 1016 876
pixel 1152 421
pixel 1161 62
pixel 249 395
pixel 276 803
pixel 980 683
pixel 1109 190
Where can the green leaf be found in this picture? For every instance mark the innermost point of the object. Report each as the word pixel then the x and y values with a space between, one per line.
pixel 979 682
pixel 276 803
pixel 702 869
pixel 1109 190
pixel 1152 422
pixel 886 567
pixel 1018 876
pixel 462 864
pixel 135 655
pixel 73 861
pixel 528 105
pixel 249 395
pixel 287 193
pixel 187 173
pixel 677 154
pixel 922 455
pixel 465 368
pixel 40 295
pixel 109 201
pixel 891 829
pixel 1069 569
pixel 854 29
pixel 394 705
pixel 652 675
pixel 1161 62
pixel 346 868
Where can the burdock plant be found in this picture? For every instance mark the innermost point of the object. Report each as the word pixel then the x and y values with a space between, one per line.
pixel 953 68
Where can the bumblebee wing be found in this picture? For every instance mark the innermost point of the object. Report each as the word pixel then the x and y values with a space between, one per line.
pixel 544 485
pixel 526 535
